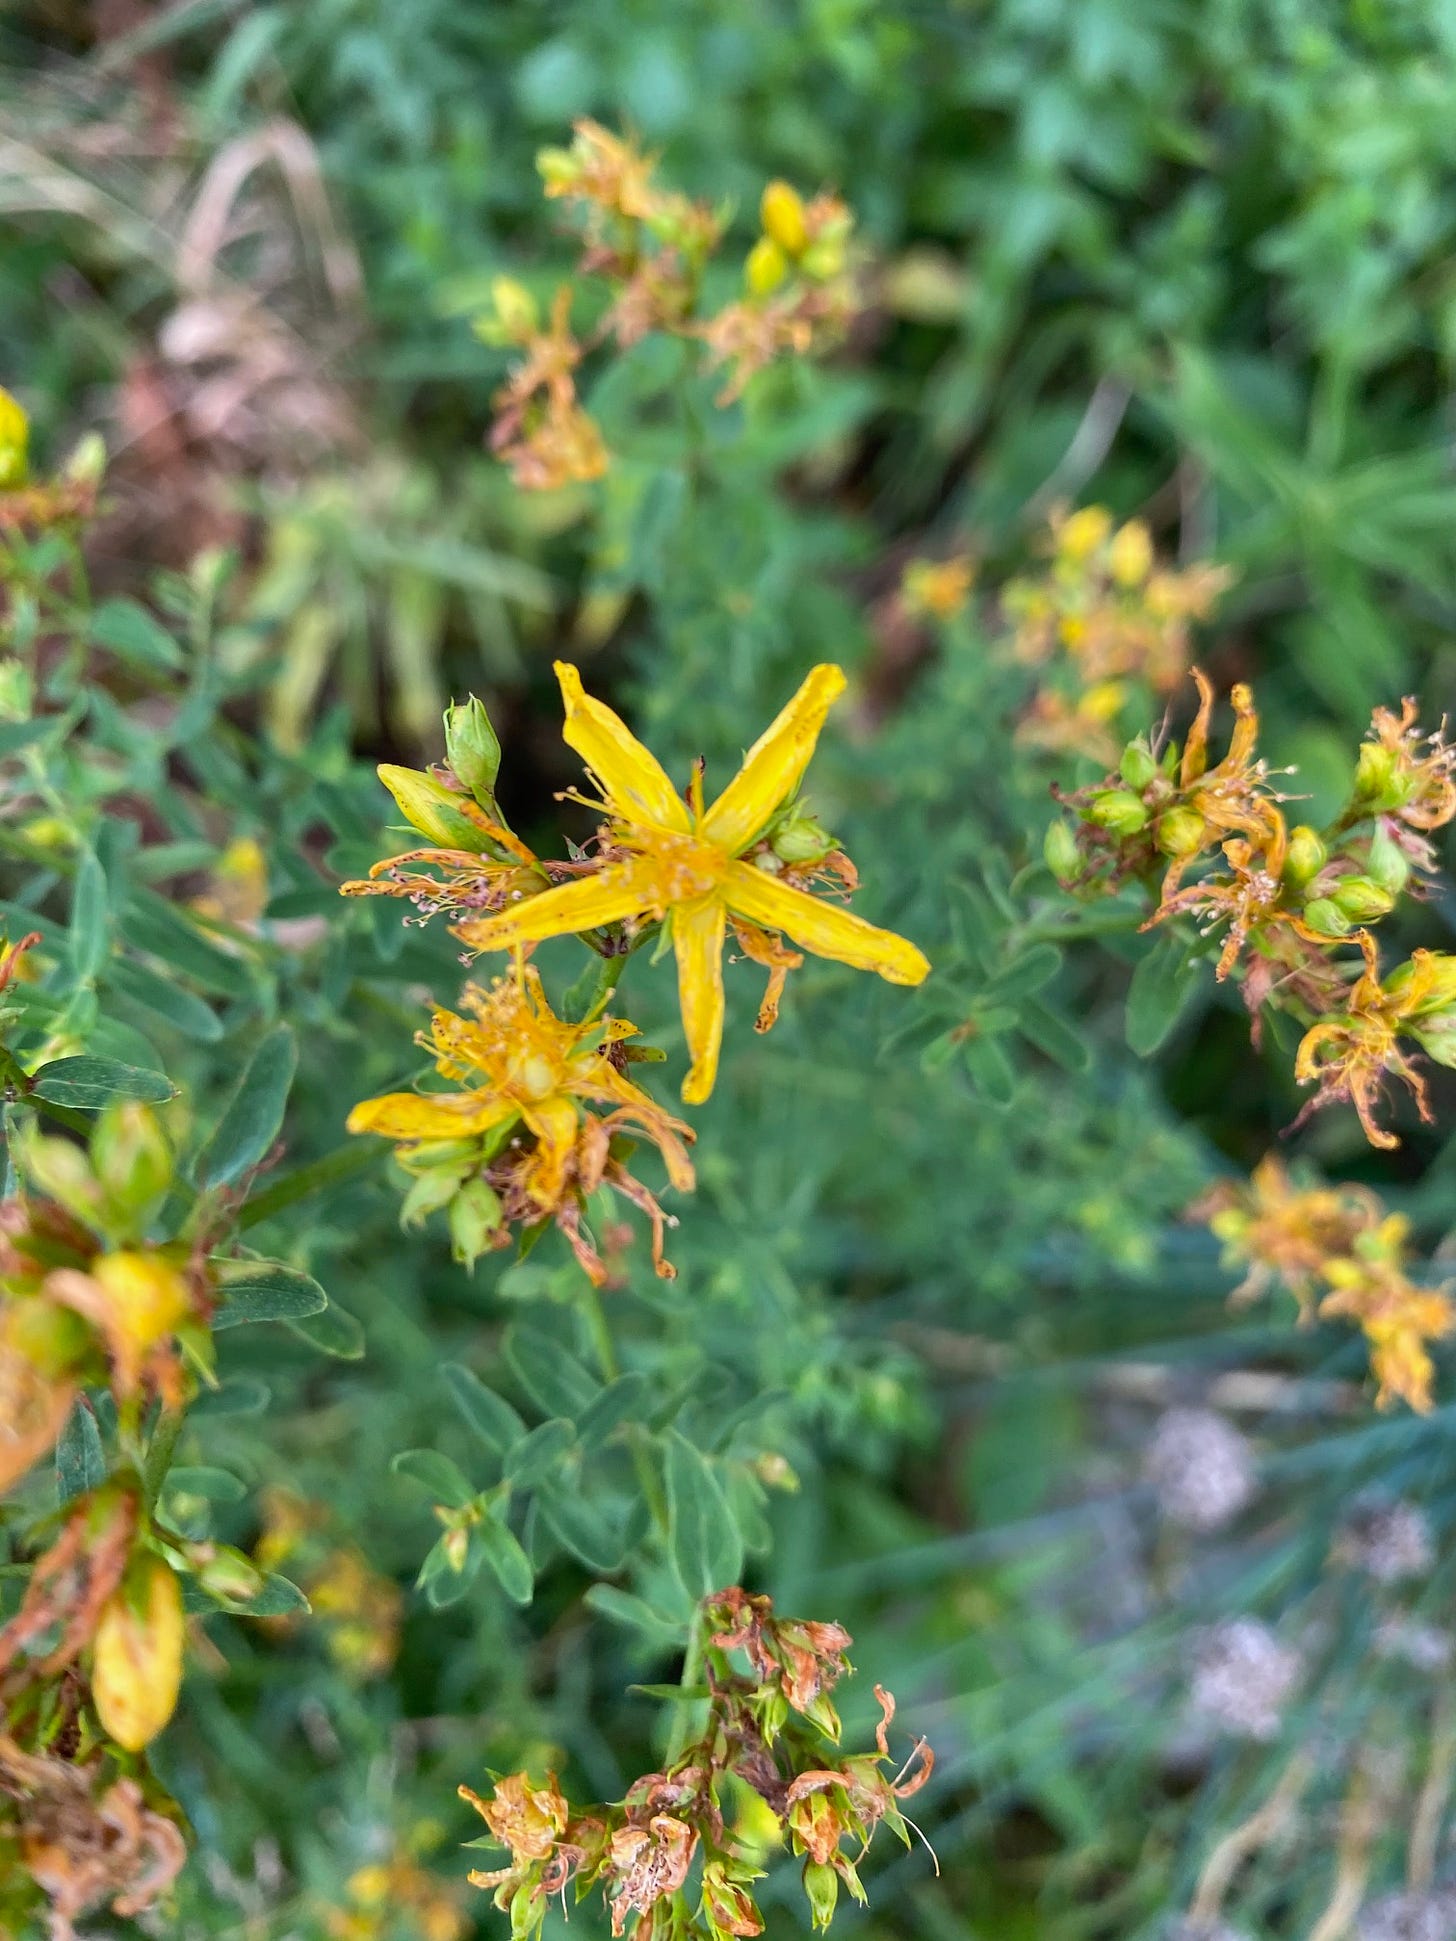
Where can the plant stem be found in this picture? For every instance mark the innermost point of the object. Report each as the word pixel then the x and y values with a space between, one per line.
pixel 607 1360
pixel 338 1165
pixel 683 1717
pixel 1245 1840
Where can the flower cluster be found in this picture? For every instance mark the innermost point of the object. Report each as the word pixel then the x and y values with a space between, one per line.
pixel 651 246
pixel 357 1612
pixel 775 1730
pixel 1107 623
pixel 1288 905
pixel 1342 1256
pixel 542 1103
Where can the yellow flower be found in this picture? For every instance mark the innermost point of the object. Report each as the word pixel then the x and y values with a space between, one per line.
pixel 14 443
pixel 524 1064
pixel 685 865
pixel 137 1671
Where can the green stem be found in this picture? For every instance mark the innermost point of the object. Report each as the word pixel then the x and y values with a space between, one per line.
pixel 160 1450
pixel 684 1713
pixel 607 1360
pixel 338 1165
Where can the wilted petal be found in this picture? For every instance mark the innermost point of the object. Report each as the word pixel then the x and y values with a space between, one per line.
pixel 449 1115
pixel 697 936
pixel 586 904
pixel 825 928
pixel 774 766
pixel 554 1122
pixel 630 774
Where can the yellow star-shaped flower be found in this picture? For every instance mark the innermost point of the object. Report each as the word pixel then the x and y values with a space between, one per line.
pixel 685 865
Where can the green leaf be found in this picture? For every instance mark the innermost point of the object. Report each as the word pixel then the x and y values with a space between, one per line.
pixel 1163 986
pixel 992 1072
pixel 445 1585
pixel 437 1474
pixel 91 1083
pixel 250 1123
pixel 1054 1038
pixel 333 1331
pixel 80 1459
pixel 131 633
pixel 89 939
pixel 553 1378
pixel 579 1527
pixel 703 1542
pixel 506 1558
pixel 488 1414
pixel 217 1485
pixel 240 1395
pixel 152 924
pixel 264 1290
pixel 543 1450
pixel 618 1402
pixel 634 1614
pixel 165 998
pixel 279 1597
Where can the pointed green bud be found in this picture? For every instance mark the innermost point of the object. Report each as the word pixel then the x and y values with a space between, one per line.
pixel 821 1884
pixel 1437 1039
pixel 1387 862
pixel 473 751
pixel 1180 832
pixel 1379 783
pixel 1059 847
pixel 475 1217
pixel 225 1572
pixel 800 838
pixel 1306 856
pixel 1361 900
pixel 1438 973
pixel 427 805
pixel 87 463
pixel 1138 766
pixel 1327 918
pixel 1118 811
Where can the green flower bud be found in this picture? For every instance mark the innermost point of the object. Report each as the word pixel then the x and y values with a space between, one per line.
pixel 800 838
pixel 1437 966
pixel 1379 783
pixel 1361 900
pixel 1059 847
pixel 1119 811
pixel 1387 862
pixel 475 1217
pixel 53 1339
pixel 1437 1039
pixel 473 750
pixel 132 1157
pixel 1180 832
pixel 1327 918
pixel 87 463
pixel 431 808
pixel 1306 856
pixel 428 1193
pixel 823 259
pixel 821 1884
pixel 1137 767
pixel 61 1171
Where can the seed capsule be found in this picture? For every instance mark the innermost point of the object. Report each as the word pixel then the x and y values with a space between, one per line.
pixel 1180 832
pixel 1306 856
pixel 1118 811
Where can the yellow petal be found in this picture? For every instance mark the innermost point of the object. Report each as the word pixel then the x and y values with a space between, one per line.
pixel 774 766
pixel 553 1120
pixel 449 1115
pixel 825 928
pixel 631 776
pixel 585 904
pixel 697 939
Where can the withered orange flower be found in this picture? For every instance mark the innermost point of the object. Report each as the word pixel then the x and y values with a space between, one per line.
pixel 1352 1055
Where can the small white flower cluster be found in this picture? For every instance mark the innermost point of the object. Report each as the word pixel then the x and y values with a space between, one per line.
pixel 1389 1541
pixel 1243 1678
pixel 1201 1468
pixel 1409 1917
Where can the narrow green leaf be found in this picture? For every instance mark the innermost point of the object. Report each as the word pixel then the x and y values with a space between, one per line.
pixel 488 1414
pixel 437 1474
pixel 131 633
pixel 165 998
pixel 217 1485
pixel 333 1331
pixel 1163 986
pixel 507 1559
pixel 80 1459
pixel 542 1451
pixel 91 1083
pixel 703 1542
pixel 264 1290
pixel 1054 1038
pixel 89 938
pixel 634 1614
pixel 250 1123
pixel 580 1527
pixel 549 1373
pixel 618 1402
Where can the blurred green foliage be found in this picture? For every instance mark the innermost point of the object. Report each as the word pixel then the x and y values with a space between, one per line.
pixel 1191 261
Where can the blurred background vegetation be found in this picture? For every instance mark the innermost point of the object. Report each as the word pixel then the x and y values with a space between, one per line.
pixel 1193 262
